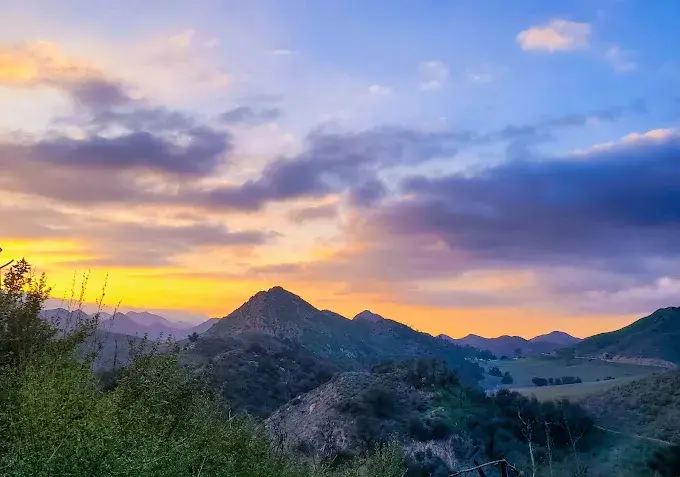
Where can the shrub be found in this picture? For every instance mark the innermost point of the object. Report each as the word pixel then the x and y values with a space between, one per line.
pixel 539 381
pixel 495 371
pixel 507 378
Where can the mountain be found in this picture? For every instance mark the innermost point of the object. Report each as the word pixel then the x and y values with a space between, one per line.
pixel 556 337
pixel 505 345
pixel 348 344
pixel 145 318
pixel 131 323
pixel 277 346
pixel 202 327
pixel 368 316
pixel 650 340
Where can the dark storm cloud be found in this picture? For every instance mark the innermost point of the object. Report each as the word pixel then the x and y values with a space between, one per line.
pixel 136 150
pixel 95 93
pixel 367 193
pixel 306 214
pixel 248 115
pixel 332 163
pixel 544 130
pixel 613 204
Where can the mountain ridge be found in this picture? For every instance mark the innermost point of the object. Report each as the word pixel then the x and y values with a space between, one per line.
pixel 654 338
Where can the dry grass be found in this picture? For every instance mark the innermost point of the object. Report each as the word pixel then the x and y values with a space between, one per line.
pixel 523 370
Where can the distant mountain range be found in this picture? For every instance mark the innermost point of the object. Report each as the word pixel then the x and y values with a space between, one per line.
pixel 131 323
pixel 508 345
pixel 654 339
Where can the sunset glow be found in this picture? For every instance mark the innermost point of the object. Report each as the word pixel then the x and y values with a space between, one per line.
pixel 489 174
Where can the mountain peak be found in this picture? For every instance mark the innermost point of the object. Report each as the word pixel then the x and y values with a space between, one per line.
pixel 558 337
pixel 369 316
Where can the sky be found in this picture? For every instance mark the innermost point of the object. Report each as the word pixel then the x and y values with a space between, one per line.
pixel 484 167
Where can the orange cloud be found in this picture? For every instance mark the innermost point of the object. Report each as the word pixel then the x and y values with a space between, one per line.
pixel 556 35
pixel 41 63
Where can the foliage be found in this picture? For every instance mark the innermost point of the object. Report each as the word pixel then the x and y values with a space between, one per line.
pixel 538 381
pixel 507 378
pixel 255 373
pixel 649 407
pixel 152 418
pixel 495 371
pixel 666 462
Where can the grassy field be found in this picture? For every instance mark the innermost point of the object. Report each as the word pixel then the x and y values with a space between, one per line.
pixel 574 392
pixel 524 370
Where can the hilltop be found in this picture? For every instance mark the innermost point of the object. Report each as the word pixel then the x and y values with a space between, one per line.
pixel 556 337
pixel 509 345
pixel 650 340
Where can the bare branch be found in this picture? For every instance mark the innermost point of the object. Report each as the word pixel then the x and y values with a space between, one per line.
pixel 494 462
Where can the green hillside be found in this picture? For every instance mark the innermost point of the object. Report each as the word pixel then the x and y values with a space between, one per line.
pixel 653 337
pixel 649 407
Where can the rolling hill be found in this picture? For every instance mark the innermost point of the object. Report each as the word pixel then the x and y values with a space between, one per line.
pixel 650 340
pixel 507 345
pixel 556 337
pixel 130 323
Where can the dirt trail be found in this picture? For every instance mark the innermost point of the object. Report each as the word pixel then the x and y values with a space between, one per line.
pixel 636 436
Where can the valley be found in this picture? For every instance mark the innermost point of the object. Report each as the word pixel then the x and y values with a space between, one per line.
pixel 323 387
pixel 595 374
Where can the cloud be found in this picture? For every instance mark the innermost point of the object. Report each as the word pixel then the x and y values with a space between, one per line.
pixel 619 204
pixel 111 242
pixel 556 35
pixel 620 60
pixel 182 40
pixel 433 74
pixel 367 193
pixel 331 163
pixel 379 90
pixel 250 116
pixel 318 212
pixel 480 78
pixel 43 64
pixel 282 52
pixel 199 154
pixel 594 233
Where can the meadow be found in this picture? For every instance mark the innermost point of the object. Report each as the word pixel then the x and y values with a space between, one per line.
pixel 592 372
pixel 573 392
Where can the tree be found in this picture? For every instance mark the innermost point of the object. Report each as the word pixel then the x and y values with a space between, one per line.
pixel 507 378
pixel 495 371
pixel 518 352
pixel 193 337
pixel 539 381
